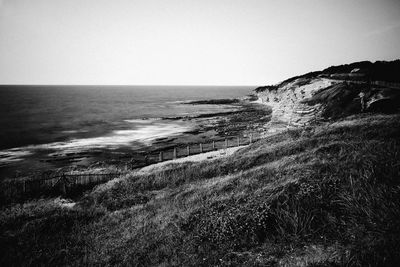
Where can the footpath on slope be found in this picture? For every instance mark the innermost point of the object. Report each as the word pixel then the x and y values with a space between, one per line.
pixel 212 155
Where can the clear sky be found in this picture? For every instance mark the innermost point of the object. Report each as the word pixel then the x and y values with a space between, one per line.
pixel 222 42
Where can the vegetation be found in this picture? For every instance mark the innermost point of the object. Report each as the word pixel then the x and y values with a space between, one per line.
pixel 377 71
pixel 343 99
pixel 339 100
pixel 325 195
pixel 266 88
pixel 387 71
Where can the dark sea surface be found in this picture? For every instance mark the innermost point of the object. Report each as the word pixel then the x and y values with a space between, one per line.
pixel 69 118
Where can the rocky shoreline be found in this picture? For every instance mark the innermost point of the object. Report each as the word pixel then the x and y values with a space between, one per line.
pixel 244 117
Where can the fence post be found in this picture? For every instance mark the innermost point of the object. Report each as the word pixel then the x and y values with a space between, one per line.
pixel 226 143
pixel 201 148
pixel 23 186
pixel 213 145
pixel 238 140
pixel 63 185
pixel 188 150
pixel 161 158
pixel 174 156
pixel 251 138
pixel 85 260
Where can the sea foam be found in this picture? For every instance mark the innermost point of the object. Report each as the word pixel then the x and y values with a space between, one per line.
pixel 118 138
pixel 13 155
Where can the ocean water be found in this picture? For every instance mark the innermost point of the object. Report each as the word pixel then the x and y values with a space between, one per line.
pixel 72 118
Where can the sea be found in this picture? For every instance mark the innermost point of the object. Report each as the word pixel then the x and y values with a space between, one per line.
pixel 66 119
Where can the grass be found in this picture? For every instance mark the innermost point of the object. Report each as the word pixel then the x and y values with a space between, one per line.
pixel 325 195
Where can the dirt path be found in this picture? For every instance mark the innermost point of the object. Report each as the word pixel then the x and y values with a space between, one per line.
pixel 212 155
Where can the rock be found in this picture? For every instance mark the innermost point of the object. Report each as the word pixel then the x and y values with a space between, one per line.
pixel 303 101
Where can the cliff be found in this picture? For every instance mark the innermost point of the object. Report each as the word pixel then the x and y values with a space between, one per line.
pixel 333 93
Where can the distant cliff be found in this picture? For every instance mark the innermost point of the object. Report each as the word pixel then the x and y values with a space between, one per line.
pixel 335 92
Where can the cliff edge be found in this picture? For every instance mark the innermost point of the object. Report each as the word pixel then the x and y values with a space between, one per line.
pixel 333 93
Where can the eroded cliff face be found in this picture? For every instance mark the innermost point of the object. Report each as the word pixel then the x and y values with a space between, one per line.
pixel 287 101
pixel 334 92
pixel 305 100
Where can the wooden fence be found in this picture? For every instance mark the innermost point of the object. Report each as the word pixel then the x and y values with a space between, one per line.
pixel 62 184
pixel 69 184
pixel 203 147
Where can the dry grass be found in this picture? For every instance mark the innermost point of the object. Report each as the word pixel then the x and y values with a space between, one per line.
pixel 317 196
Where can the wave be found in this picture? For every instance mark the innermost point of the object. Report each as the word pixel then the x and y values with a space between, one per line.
pixel 13 155
pixel 142 121
pixel 74 131
pixel 119 138
pixel 116 139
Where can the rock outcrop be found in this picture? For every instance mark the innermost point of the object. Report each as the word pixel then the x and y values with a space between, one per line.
pixel 326 94
pixel 287 101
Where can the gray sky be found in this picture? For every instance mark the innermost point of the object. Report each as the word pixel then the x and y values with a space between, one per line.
pixel 226 42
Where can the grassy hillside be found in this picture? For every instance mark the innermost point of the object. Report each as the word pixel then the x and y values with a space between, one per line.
pixel 376 71
pixel 387 71
pixel 315 196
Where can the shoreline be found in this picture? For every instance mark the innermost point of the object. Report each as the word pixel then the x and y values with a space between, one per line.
pixel 206 126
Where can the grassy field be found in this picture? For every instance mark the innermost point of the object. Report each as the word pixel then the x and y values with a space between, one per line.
pixel 326 195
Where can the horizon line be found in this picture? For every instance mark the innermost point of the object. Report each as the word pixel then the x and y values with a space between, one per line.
pixel 166 85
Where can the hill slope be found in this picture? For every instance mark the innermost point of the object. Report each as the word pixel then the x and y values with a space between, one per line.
pixel 315 196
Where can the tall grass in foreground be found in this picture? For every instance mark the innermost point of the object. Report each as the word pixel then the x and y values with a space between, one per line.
pixel 318 196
